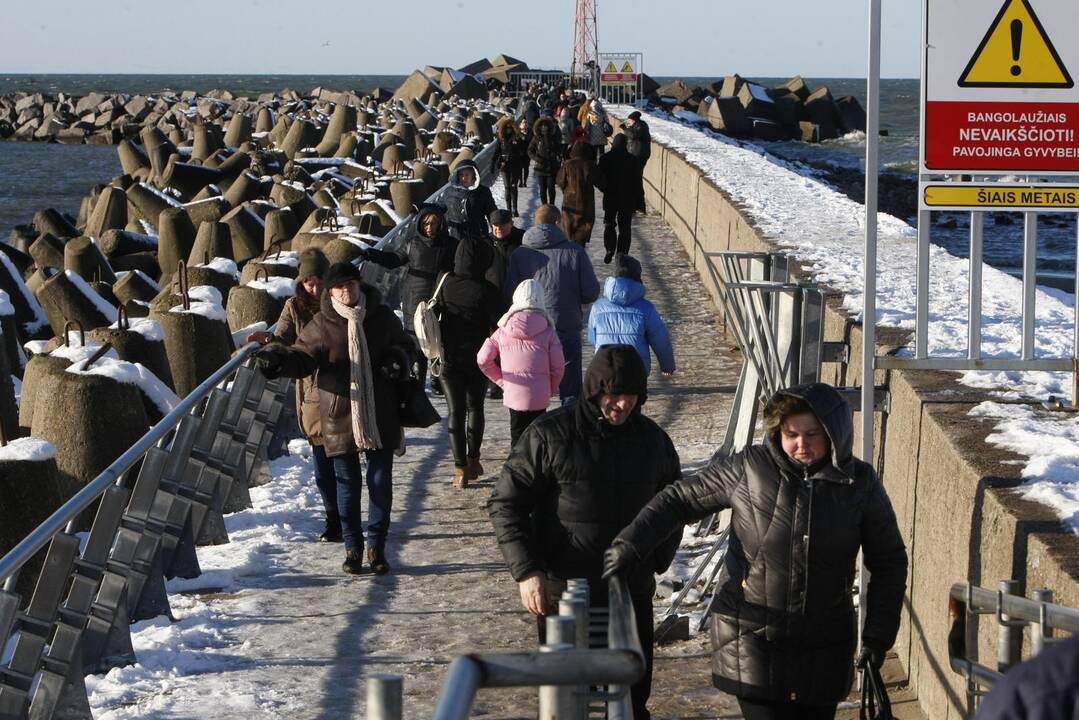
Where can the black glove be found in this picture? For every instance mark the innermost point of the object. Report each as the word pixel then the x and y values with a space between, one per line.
pixel 870 657
pixel 269 362
pixel 619 559
pixel 394 369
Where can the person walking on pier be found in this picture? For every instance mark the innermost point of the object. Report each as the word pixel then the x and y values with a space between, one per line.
pixel 361 353
pixel 565 272
pixel 623 317
pixel 468 203
pixel 545 150
pixel 471 306
pixel 567 121
pixel 783 625
pixel 576 178
pixel 576 477
pixel 526 133
pixel 524 357
pixel 299 310
pixel 429 253
pixel 513 154
pixel 617 176
pixel 639 145
pixel 593 120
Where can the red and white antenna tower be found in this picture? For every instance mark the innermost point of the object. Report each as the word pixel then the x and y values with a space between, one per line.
pixel 585 41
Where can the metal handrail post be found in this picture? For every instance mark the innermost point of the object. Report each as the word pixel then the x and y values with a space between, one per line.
pixel 557 702
pixel 384 694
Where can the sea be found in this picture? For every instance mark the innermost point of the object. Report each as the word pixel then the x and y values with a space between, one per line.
pixel 35 175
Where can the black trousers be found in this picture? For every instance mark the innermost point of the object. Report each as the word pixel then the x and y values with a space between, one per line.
pixel 758 710
pixel 546 188
pixel 617 225
pixel 640 193
pixel 519 421
pixel 465 388
pixel 510 179
pixel 524 173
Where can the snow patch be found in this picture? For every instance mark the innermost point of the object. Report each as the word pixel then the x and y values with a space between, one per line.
pixel 132 374
pixel 39 321
pixel 278 287
pixel 211 311
pixel 223 266
pixel 239 338
pixel 99 302
pixel 151 330
pixel 28 449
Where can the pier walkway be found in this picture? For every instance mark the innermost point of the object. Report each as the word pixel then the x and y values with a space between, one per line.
pixel 273 628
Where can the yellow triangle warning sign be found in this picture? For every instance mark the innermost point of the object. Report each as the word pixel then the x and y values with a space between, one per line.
pixel 1016 52
pixel 627 68
pixel 611 68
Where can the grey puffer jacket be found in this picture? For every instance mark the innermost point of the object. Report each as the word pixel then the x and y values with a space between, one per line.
pixel 784 625
pixel 563 269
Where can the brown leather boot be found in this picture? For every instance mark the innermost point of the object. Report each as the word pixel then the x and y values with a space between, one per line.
pixel 474 468
pixel 376 559
pixel 461 477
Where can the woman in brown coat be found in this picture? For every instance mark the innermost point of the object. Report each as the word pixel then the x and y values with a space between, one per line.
pixel 578 195
pixel 299 310
pixel 361 353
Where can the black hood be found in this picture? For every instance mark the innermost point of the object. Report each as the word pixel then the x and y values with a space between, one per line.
pixel 616 369
pixel 472 260
pixel 834 415
pixel 431 209
pixel 618 142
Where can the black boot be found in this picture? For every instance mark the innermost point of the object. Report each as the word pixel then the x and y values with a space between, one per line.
pixel 332 531
pixel 353 564
pixel 376 559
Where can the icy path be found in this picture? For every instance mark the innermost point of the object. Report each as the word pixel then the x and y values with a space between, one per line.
pixel 273 629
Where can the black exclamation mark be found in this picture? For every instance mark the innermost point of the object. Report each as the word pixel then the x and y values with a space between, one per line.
pixel 1017 43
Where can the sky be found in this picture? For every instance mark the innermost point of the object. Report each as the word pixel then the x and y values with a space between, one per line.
pixel 773 38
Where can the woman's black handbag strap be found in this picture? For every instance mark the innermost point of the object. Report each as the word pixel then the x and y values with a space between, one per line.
pixel 875 703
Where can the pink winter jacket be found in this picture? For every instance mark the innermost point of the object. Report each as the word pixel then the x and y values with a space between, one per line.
pixel 532 361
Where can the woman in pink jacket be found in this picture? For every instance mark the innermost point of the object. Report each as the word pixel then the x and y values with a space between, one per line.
pixel 532 362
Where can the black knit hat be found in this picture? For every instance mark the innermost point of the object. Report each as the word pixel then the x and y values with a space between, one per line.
pixel 616 370
pixel 627 267
pixel 313 263
pixel 340 273
pixel 635 115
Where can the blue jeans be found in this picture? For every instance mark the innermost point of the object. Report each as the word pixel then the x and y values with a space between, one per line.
pixel 570 388
pixel 379 498
pixel 326 482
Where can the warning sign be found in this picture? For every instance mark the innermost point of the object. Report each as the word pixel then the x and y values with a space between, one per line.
pixel 610 68
pixel 627 67
pixel 997 91
pixel 619 70
pixel 1016 52
pixel 998 196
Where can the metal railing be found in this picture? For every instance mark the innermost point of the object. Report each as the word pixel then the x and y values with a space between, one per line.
pixel 1013 614
pixel 569 670
pixel 161 497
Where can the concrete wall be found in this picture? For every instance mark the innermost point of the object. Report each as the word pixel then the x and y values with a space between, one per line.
pixel 952 491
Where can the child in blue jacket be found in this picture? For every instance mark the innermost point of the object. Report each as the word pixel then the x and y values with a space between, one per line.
pixel 623 317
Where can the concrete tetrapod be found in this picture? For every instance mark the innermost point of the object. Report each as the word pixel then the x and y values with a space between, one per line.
pixel 280 227
pixel 196 344
pixel 33 377
pixel 70 411
pixel 189 178
pixel 135 285
pixel 239 130
pixel 144 345
pixel 214 239
pixel 9 410
pixel 110 212
pixel 407 194
pixel 53 221
pixel 210 209
pixel 124 242
pixel 83 257
pixel 65 296
pixel 250 304
pixel 342 121
pixel 47 251
pixel 247 230
pixel 32 490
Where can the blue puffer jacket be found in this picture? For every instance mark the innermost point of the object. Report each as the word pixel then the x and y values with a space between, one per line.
pixel 623 317
pixel 563 269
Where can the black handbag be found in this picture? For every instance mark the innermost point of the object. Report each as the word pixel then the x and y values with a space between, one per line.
pixel 875 702
pixel 416 410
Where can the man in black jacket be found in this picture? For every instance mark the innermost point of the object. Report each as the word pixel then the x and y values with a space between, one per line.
pixel 576 476
pixel 639 145
pixel 619 177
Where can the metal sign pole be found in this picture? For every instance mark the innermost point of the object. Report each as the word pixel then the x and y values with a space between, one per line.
pixel 869 295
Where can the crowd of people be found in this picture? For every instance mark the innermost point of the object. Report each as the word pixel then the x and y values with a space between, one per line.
pixel 592 486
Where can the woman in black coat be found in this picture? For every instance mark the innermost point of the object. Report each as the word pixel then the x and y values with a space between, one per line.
pixel 468 203
pixel 470 308
pixel 784 626
pixel 513 157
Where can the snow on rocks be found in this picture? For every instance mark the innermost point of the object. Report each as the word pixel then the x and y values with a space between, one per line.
pixel 151 330
pixel 824 230
pixel 136 374
pixel 225 266
pixel 278 287
pixel 27 449
pixel 99 302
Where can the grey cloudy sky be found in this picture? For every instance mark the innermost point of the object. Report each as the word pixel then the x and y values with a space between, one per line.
pixel 691 37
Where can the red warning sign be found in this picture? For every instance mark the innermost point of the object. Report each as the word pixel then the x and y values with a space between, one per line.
pixel 998 96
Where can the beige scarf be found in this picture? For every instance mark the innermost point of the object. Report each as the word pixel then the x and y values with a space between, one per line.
pixel 361 384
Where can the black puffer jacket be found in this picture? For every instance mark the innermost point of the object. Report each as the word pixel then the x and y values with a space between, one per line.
pixel 573 481
pixel 545 148
pixel 470 305
pixel 618 175
pixel 784 623
pixel 512 146
pixel 496 274
pixel 426 258
pixel 467 207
